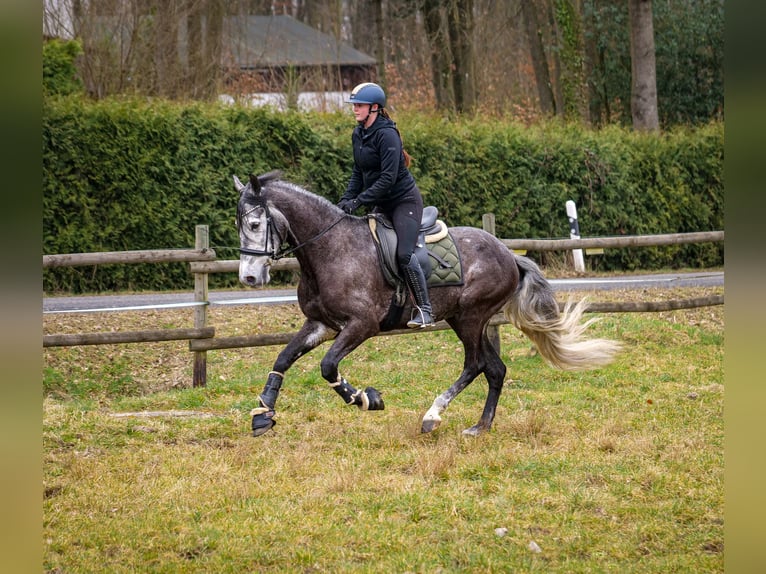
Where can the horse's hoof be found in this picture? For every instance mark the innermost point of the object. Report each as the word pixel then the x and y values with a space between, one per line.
pixel 263 422
pixel 429 425
pixel 475 430
pixel 375 399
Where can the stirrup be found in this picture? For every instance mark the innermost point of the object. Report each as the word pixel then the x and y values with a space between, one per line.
pixel 420 319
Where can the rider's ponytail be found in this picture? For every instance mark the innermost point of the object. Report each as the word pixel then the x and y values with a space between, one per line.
pixel 407 157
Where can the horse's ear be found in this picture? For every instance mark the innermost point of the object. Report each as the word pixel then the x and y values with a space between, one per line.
pixel 238 185
pixel 255 184
pixel 270 176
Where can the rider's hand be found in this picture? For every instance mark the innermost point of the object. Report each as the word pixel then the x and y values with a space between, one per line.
pixel 348 205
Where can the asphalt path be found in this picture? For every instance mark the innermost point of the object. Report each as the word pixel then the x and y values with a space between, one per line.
pixel 266 296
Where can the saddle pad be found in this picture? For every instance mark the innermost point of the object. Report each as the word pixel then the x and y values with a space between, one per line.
pixel 443 256
pixel 443 251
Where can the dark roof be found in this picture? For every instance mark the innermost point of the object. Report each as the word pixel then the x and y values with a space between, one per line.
pixel 268 41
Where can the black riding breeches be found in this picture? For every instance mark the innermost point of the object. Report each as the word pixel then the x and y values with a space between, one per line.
pixel 406 218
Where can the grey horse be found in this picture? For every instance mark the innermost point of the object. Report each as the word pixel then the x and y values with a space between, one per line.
pixel 345 297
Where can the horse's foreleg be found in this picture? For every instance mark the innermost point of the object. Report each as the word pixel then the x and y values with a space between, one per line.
pixel 308 337
pixel 349 339
pixel 368 399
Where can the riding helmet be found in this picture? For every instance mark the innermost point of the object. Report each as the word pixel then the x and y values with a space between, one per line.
pixel 368 93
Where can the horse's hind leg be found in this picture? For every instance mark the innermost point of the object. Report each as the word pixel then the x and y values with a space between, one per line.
pixel 494 371
pixel 471 369
pixel 432 418
pixel 480 356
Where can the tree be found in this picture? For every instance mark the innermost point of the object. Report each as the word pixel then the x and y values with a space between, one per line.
pixel 449 27
pixel 460 18
pixel 600 61
pixel 441 74
pixel 59 69
pixel 537 55
pixel 643 98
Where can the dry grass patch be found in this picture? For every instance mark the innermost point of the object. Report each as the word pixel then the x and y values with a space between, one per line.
pixel 619 469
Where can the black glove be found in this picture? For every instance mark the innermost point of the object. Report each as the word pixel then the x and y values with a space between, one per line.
pixel 348 205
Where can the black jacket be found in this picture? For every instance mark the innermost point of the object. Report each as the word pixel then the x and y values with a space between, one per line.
pixel 380 177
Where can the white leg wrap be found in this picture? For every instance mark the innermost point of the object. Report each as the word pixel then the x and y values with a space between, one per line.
pixel 259 410
pixel 437 408
pixel 433 414
pixel 363 398
pixel 348 396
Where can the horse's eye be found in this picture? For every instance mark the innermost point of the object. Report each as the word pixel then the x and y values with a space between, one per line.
pixel 254 225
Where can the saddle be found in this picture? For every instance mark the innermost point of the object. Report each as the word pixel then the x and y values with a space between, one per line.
pixel 435 249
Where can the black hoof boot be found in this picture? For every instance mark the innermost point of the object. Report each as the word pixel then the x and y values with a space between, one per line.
pixel 375 399
pixel 263 420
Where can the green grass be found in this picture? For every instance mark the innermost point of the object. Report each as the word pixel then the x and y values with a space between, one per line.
pixel 614 470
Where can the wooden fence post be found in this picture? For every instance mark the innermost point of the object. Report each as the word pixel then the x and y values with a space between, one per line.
pixel 201 241
pixel 493 331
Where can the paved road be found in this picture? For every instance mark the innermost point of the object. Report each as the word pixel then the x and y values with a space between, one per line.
pixel 102 303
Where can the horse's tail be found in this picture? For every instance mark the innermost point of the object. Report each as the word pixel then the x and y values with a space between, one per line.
pixel 558 335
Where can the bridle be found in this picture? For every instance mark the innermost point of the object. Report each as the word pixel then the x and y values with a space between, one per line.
pixel 276 253
pixel 271 229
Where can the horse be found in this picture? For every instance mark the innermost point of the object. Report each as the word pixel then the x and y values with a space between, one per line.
pixel 345 298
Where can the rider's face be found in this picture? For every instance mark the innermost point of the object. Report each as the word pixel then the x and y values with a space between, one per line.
pixel 361 111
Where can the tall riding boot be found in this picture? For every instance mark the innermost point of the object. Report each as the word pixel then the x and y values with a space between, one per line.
pixel 416 281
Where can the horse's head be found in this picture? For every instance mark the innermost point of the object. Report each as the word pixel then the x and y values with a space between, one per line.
pixel 260 234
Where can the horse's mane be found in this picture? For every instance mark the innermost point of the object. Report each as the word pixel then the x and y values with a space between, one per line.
pixel 270 185
pixel 307 197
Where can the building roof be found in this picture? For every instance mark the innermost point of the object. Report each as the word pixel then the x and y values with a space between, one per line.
pixel 278 41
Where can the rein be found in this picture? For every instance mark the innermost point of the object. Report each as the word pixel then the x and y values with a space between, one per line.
pixel 277 254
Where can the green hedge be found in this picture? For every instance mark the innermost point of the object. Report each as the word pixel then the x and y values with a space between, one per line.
pixel 139 174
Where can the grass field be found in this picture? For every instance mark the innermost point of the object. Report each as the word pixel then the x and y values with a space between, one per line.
pixel 614 470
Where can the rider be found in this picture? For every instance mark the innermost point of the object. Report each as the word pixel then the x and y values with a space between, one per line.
pixel 381 179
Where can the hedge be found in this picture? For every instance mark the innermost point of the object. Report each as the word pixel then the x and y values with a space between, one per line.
pixel 129 174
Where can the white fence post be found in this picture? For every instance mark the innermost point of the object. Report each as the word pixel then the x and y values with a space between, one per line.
pixel 574 233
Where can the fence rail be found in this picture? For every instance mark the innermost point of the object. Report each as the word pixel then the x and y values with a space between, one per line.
pixel 108 338
pixel 291 264
pixel 111 257
pixel 202 261
pixel 614 242
pixel 242 341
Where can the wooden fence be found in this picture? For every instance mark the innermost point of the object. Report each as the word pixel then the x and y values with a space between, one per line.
pixel 202 261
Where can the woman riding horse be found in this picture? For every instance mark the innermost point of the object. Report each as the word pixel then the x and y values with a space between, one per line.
pixel 346 299
pixel 381 179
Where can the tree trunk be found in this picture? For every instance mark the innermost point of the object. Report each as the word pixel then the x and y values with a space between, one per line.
pixel 441 75
pixel 196 56
pixel 572 81
pixel 380 47
pixel 213 45
pixel 556 43
pixel 643 93
pixel 165 49
pixel 537 54
pixel 593 71
pixel 460 18
pixel 367 35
